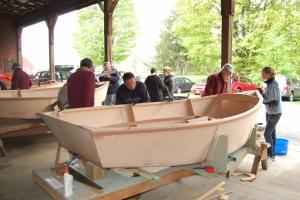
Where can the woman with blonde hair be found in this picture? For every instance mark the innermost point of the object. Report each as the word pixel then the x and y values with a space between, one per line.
pixel 272 101
pixel 168 82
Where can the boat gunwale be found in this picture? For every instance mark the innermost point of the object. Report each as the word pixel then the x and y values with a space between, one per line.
pixel 102 131
pixel 26 98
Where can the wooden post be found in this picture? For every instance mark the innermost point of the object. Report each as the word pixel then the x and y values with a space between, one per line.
pixel 19 44
pixel 227 12
pixel 51 21
pixel 109 6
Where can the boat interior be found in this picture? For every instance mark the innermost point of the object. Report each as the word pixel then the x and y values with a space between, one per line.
pixel 196 110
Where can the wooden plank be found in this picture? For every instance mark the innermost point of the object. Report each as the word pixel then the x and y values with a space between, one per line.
pixel 134 123
pixel 18 127
pixel 114 186
pixel 206 194
pixel 43 184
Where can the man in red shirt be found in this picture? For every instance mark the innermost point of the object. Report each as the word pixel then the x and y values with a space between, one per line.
pixel 20 79
pixel 217 83
pixel 81 85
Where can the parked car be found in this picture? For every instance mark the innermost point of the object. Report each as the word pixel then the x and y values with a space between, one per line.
pixel 242 83
pixel 239 84
pixel 182 84
pixel 289 87
pixel 198 88
pixel 6 78
pixel 62 73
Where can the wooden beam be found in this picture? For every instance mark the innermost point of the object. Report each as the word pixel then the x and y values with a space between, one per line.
pixel 19 44
pixel 227 12
pixel 113 6
pixel 101 6
pixel 58 7
pixel 51 21
pixel 107 31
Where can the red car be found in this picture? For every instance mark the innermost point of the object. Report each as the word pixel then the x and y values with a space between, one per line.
pixel 239 84
pixel 6 78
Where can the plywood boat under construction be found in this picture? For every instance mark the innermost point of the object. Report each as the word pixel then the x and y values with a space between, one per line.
pixel 155 134
pixel 25 104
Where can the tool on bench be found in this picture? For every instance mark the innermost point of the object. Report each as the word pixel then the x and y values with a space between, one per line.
pixel 78 176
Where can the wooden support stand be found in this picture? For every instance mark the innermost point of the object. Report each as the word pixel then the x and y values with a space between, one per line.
pixel 228 163
pixel 19 127
pixel 2 149
pixel 114 185
pixel 261 155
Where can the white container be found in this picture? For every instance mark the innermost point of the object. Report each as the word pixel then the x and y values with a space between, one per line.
pixel 68 182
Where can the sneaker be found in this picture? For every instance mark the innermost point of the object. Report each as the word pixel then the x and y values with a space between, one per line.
pixel 273 158
pixel 269 161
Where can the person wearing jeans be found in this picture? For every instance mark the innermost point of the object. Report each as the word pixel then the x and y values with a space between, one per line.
pixel 272 101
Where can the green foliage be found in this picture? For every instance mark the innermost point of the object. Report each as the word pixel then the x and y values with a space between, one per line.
pixel 170 52
pixel 190 45
pixel 89 40
pixel 265 32
pixel 198 30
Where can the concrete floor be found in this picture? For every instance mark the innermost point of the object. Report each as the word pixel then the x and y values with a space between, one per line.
pixel 281 181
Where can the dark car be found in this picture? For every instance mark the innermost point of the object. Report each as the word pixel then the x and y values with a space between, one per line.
pixel 182 84
pixel 289 87
pixel 62 73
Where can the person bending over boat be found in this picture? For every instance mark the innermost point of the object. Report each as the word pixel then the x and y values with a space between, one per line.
pixel 81 85
pixel 111 75
pixel 272 101
pixel 154 85
pixel 20 79
pixel 217 83
pixel 168 91
pixel 132 91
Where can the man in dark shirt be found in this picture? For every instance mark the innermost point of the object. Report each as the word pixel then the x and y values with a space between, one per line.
pixel 111 75
pixel 81 85
pixel 155 86
pixel 217 83
pixel 20 79
pixel 132 91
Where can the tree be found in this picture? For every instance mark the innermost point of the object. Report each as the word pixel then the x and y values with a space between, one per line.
pixel 169 51
pixel 198 30
pixel 89 40
pixel 266 33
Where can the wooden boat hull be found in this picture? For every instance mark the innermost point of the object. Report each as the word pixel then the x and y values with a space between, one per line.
pixel 155 134
pixel 26 104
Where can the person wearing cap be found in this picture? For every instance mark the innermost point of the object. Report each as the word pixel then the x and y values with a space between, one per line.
pixel 132 91
pixel 81 85
pixel 154 85
pixel 111 75
pixel 217 83
pixel 20 79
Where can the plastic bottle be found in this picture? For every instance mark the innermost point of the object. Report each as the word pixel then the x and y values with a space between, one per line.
pixel 68 182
